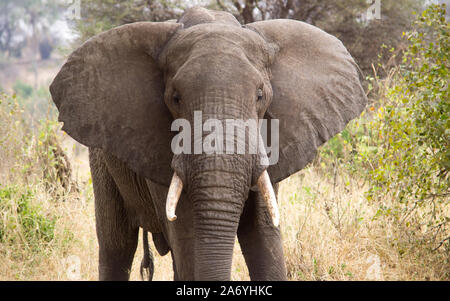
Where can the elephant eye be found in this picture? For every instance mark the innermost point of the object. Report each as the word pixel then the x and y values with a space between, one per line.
pixel 176 98
pixel 259 94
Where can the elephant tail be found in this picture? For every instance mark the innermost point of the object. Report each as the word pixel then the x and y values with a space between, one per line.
pixel 147 265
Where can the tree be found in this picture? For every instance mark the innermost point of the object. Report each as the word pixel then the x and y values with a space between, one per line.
pixel 45 48
pixel 100 15
pixel 22 22
pixel 10 43
pixel 411 135
pixel 342 18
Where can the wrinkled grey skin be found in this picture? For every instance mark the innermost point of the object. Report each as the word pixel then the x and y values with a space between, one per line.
pixel 119 92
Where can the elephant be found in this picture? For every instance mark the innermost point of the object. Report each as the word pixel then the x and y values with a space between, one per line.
pixel 119 94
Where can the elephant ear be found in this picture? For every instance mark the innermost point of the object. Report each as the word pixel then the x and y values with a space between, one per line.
pixel 109 95
pixel 316 90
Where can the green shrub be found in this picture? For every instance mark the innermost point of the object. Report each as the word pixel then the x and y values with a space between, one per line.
pixel 412 125
pixel 31 154
pixel 35 178
pixel 24 222
pixel 400 145
pixel 22 89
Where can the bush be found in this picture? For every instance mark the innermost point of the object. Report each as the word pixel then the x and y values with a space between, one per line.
pixel 35 179
pixel 22 89
pixel 412 125
pixel 22 221
pixel 31 154
pixel 35 102
pixel 400 145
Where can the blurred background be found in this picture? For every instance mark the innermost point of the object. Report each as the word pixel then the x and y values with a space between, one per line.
pixel 374 204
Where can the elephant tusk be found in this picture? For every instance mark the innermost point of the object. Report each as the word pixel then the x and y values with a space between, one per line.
pixel 176 186
pixel 266 188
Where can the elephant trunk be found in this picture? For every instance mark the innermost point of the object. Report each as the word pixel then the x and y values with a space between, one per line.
pixel 264 186
pixel 220 187
pixel 217 185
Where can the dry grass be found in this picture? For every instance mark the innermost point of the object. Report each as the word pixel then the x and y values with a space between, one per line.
pixel 330 234
pixel 74 235
pixel 327 225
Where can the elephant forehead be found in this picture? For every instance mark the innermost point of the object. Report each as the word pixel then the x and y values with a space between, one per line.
pixel 199 15
pixel 214 39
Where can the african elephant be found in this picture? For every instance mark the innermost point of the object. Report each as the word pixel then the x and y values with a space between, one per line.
pixel 121 90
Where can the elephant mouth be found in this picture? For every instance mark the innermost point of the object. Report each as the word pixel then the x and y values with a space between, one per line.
pixel 260 180
pixel 264 185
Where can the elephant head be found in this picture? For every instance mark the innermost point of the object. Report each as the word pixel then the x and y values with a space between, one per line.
pixel 121 90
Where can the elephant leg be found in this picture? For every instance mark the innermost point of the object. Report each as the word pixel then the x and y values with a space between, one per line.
pixel 174 266
pixel 178 234
pixel 260 241
pixel 117 238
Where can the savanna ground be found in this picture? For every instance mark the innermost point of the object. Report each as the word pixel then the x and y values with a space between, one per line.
pixel 374 204
pixel 328 228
